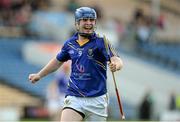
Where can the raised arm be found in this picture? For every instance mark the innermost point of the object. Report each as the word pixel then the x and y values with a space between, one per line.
pixel 115 63
pixel 52 66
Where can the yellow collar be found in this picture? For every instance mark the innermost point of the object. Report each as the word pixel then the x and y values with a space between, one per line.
pixel 81 43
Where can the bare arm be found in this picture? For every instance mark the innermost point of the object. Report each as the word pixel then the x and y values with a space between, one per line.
pixel 115 64
pixel 52 66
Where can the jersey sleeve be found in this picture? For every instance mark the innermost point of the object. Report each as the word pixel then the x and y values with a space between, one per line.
pixel 107 49
pixel 63 55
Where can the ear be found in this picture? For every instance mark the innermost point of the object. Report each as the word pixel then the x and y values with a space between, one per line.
pixel 77 25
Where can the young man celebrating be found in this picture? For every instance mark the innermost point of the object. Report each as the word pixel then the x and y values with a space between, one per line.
pixel 86 96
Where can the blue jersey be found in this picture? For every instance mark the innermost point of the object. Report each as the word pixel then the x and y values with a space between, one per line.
pixel 89 65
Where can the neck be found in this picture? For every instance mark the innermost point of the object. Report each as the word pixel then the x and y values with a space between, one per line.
pixel 81 38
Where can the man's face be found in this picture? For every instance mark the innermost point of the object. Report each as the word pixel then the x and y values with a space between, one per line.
pixel 86 25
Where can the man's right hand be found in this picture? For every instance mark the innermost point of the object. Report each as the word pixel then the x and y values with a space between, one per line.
pixel 34 78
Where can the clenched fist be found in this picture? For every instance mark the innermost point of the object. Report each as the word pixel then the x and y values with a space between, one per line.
pixel 115 64
pixel 34 78
pixel 112 66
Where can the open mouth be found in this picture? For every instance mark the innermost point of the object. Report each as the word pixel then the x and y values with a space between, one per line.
pixel 88 28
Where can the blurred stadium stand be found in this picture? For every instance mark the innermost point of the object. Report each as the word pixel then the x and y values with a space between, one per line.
pixel 52 21
pixel 9 95
pixel 15 71
pixel 167 54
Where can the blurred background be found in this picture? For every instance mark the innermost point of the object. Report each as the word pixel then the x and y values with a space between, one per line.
pixel 145 33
